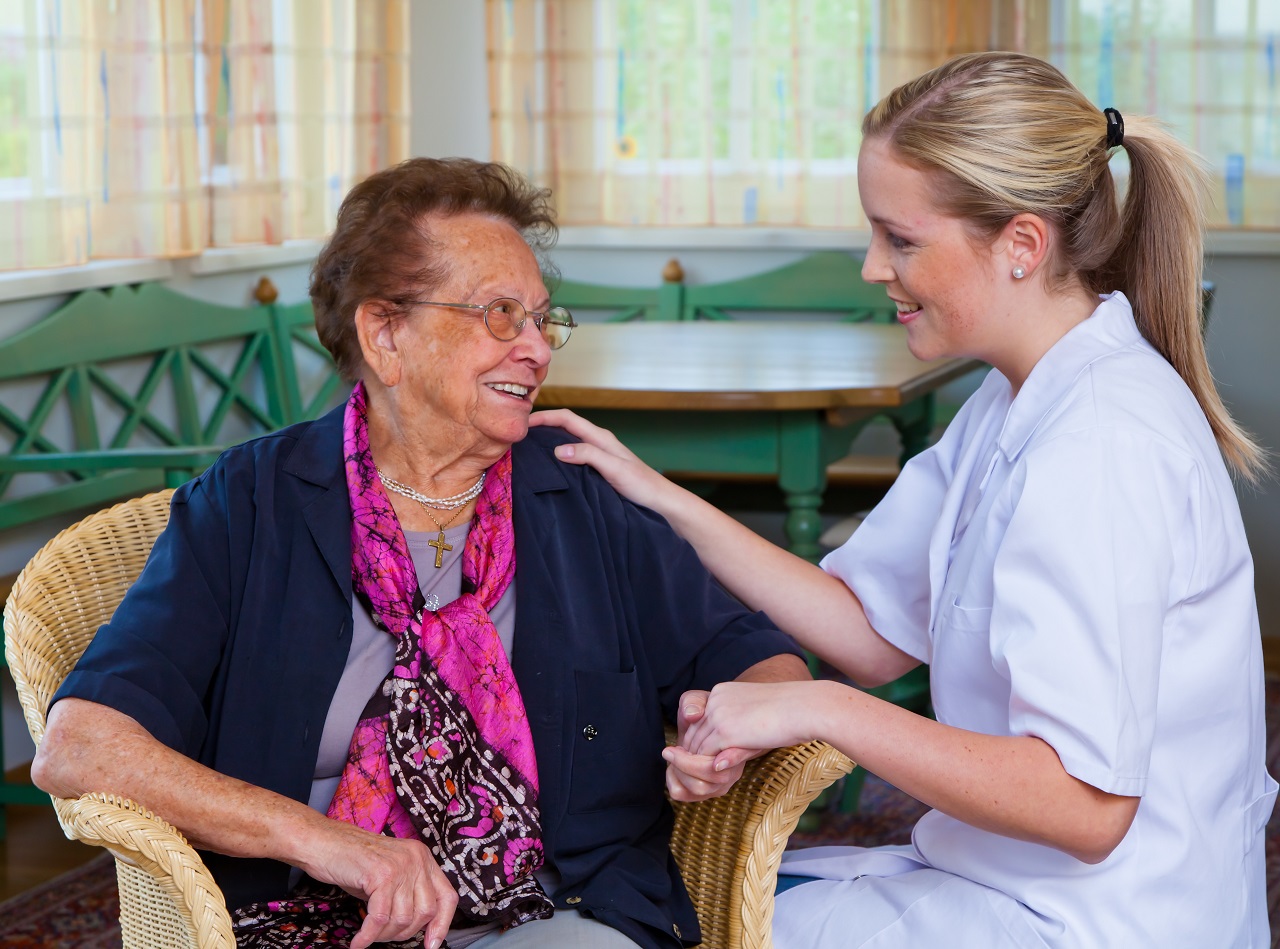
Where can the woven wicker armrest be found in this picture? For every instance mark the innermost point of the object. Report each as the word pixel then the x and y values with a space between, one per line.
pixel 729 848
pixel 167 896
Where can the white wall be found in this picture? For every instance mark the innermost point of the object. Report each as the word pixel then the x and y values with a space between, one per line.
pixel 448 73
pixel 1244 344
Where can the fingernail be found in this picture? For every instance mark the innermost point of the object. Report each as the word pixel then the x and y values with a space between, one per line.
pixel 667 754
pixel 691 710
pixel 721 765
pixel 564 451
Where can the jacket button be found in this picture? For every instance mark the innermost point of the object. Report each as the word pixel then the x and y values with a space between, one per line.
pixel 589 733
pixel 676 929
pixel 574 899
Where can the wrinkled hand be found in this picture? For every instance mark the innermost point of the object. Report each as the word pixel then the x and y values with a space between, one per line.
pixel 600 448
pixel 751 715
pixel 406 891
pixel 693 777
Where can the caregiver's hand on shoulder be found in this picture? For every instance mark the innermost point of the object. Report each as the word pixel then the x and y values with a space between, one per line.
pixel 600 448
pixel 405 890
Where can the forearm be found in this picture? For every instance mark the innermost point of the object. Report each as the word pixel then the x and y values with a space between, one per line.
pixel 817 610
pixel 783 668
pixel 1013 786
pixel 89 747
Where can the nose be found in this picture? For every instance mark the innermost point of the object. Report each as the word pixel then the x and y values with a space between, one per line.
pixel 531 345
pixel 875 265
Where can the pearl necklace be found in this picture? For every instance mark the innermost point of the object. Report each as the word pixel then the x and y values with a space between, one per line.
pixel 452 503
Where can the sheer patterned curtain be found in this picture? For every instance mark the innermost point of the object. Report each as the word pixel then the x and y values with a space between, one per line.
pixel 158 128
pixel 1209 68
pixel 746 112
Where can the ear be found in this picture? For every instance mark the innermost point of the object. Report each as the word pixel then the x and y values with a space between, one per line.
pixel 1024 242
pixel 376 331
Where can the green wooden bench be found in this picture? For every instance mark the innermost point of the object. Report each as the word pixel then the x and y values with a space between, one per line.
pixel 828 282
pixel 127 390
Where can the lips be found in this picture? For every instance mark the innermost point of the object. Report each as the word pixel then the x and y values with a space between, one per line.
pixel 906 311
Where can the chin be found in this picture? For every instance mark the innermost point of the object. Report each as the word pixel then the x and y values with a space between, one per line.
pixel 508 435
pixel 924 350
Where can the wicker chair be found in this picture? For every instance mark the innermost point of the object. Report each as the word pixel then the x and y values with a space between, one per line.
pixel 728 849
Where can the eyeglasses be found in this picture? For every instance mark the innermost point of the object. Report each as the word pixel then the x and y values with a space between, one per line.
pixel 504 318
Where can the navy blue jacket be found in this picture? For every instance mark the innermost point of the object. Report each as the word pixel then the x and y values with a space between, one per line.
pixel 230 645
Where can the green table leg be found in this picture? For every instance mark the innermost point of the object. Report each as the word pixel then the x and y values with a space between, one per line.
pixel 802 476
pixel 914 424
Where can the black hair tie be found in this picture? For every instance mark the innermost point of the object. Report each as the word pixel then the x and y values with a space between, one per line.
pixel 1115 127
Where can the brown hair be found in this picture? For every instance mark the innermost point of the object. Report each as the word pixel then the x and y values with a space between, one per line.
pixel 381 249
pixel 1006 133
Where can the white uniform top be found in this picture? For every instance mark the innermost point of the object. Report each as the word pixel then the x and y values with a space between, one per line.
pixel 1072 565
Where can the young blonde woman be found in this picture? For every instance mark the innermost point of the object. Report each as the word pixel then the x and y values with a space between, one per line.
pixel 1069 559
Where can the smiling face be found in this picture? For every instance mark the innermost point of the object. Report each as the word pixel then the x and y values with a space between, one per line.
pixel 941 280
pixel 456 385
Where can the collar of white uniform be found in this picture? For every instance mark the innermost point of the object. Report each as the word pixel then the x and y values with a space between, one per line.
pixel 1109 328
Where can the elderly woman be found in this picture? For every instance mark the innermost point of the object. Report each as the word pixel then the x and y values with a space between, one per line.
pixel 397 671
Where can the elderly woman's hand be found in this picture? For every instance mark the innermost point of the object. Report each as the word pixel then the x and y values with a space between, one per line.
pixel 600 448
pixel 405 890
pixel 693 777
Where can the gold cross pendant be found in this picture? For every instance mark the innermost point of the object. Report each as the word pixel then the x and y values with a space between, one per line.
pixel 440 547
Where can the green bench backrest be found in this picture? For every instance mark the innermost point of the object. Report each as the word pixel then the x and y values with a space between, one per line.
pixel 118 387
pixel 825 282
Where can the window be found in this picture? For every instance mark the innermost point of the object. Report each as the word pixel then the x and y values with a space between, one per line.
pixel 746 112
pixel 137 129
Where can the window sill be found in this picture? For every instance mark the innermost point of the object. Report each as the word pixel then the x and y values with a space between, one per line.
pixel 23 284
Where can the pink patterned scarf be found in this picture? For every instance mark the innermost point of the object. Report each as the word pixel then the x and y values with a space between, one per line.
pixel 443 752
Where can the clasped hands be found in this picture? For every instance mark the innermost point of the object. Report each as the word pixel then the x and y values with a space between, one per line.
pixel 719 731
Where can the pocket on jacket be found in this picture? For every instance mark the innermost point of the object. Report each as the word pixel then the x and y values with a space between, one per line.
pixel 617 744
pixel 967 619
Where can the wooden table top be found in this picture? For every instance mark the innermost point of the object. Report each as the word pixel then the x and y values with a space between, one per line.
pixel 741 365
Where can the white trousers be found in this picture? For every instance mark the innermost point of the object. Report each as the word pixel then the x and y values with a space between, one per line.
pixel 895 903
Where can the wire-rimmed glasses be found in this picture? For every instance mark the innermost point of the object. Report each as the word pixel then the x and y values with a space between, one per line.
pixel 504 318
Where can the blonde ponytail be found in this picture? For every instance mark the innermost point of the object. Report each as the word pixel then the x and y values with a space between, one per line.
pixel 1159 264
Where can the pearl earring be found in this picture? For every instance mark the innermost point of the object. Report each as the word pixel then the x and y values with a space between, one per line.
pixel 1018 272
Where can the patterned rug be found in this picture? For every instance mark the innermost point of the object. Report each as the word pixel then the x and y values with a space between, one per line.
pixel 79 909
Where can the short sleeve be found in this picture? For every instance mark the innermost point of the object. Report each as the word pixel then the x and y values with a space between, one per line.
pixel 1087 569
pixel 886 561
